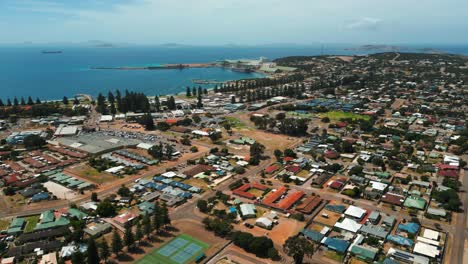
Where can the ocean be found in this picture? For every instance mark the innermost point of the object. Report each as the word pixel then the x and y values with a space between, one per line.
pixel 26 71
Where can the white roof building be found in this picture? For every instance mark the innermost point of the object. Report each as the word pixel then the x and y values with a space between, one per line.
pixel 247 210
pixel 145 146
pixel 169 174
pixel 426 250
pixel 379 186
pixel 349 225
pixel 431 234
pixel 355 212
pixel 264 222
pixel 106 118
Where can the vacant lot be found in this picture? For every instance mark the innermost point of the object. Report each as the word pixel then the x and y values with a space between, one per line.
pixel 4 224
pixel 235 123
pixel 337 115
pixel 89 173
pixel 330 220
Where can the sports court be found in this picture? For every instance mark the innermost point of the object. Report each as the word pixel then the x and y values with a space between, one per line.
pixel 180 250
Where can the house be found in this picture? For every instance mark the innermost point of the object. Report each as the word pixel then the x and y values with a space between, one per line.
pixel 389 221
pixel 355 212
pixel 415 202
pixel 264 222
pixel 411 228
pixel 336 244
pixel 364 253
pixel 348 225
pixel 313 235
pixel 16 226
pixel 50 258
pixel 374 217
pixel 97 229
pixel 393 199
pixel 375 231
pixel 248 210
pixel 124 219
pixel 407 257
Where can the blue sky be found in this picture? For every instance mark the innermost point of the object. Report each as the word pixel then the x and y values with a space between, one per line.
pixel 214 22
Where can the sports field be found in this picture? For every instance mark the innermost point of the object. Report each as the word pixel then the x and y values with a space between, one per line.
pixel 180 250
pixel 337 115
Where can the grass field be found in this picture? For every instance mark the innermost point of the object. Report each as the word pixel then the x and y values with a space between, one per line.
pixel 333 255
pixel 300 115
pixel 4 224
pixel 171 252
pixel 235 123
pixel 31 223
pixel 337 115
pixel 91 174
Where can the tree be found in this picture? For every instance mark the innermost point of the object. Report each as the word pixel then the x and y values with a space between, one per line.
pixel 290 153
pixel 65 100
pixel 77 257
pixel 92 252
pixel 94 197
pixel 188 93
pixel 104 252
pixel 105 209
pixel 147 121
pixel 256 153
pixel 101 104
pixel 30 101
pixel 202 205
pixel 38 101
pixel 298 247
pixel 116 243
pixel 157 104
pixel 325 120
pixel 278 154
pixel 129 239
pixel 233 99
pixel 147 225
pixel 215 136
pixel 33 141
pixel 76 101
pixel 199 101
pixel 138 232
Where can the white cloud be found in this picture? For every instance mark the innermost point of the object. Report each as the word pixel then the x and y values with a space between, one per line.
pixel 365 23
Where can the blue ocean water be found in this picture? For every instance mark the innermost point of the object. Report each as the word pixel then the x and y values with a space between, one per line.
pixel 26 71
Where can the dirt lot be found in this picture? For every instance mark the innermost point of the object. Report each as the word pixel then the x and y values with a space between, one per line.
pixel 279 233
pixel 269 140
pixel 330 221
pixel 88 173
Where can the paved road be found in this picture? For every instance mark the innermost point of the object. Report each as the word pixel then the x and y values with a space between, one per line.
pixel 460 235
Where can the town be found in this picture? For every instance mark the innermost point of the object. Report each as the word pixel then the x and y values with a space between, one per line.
pixel 328 159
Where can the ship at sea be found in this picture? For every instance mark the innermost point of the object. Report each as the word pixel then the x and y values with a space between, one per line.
pixel 52 51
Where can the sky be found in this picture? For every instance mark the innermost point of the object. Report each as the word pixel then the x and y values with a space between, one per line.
pixel 242 22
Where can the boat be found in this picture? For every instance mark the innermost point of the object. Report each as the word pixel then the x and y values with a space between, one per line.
pixel 52 51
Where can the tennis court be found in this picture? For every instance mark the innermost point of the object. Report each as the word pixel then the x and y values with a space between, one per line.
pixel 180 250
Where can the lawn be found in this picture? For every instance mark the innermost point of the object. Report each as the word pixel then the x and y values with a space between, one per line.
pixel 4 224
pixel 91 174
pixel 200 183
pixel 180 250
pixel 337 115
pixel 255 192
pixel 300 115
pixel 16 200
pixel 333 255
pixel 31 222
pixel 235 123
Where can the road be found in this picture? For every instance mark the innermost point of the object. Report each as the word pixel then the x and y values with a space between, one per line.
pixel 460 235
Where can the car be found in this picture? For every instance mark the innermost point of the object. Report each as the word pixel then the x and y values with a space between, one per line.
pixel 250 226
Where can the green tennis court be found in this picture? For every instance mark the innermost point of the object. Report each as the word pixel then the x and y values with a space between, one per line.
pixel 180 250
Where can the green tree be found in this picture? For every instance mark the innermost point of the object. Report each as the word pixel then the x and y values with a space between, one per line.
pixel 105 209
pixel 147 225
pixel 188 93
pixel 298 247
pixel 65 100
pixel 104 250
pixel 256 153
pixel 138 233
pixel 278 154
pixel 129 238
pixel 199 101
pixel 92 252
pixel 77 257
pixel 202 205
pixel 116 243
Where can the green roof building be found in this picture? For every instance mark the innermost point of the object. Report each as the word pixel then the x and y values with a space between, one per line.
pixel 16 226
pixel 364 253
pixel 415 202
